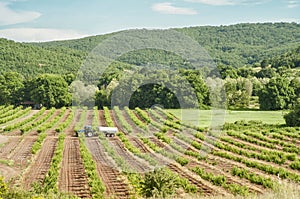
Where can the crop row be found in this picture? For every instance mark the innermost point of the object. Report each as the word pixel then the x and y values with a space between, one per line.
pixel 251 140
pixel 36 123
pixel 136 120
pixel 111 152
pixel 96 185
pixel 253 177
pixel 220 180
pixel 270 169
pixel 38 143
pixel 135 150
pixel 288 147
pixel 274 153
pixel 14 116
pixel 26 121
pixel 121 119
pixel 82 119
pixel 5 109
pixel 107 117
pixel 143 115
pixel 10 111
pixel 51 178
pixel 52 122
pixel 269 157
pixel 66 123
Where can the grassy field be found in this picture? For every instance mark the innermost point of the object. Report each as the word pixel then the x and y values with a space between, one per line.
pixel 205 117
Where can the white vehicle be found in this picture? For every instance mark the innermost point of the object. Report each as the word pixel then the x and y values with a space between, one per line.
pixel 108 131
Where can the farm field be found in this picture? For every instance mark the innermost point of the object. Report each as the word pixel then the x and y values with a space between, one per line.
pixel 268 117
pixel 39 149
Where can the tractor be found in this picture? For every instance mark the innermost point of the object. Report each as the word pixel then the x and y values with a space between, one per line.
pixel 87 130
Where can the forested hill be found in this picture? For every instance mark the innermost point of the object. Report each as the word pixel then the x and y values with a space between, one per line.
pixel 235 45
pixel 30 60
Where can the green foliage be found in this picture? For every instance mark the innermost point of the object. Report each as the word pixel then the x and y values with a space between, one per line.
pixel 11 85
pixel 97 187
pixel 3 187
pixel 50 91
pixel 135 119
pixel 276 95
pixel 182 161
pixel 32 60
pixel 38 143
pixel 127 127
pixel 293 117
pixel 235 45
pixel 162 183
pixel 50 181
pixel 220 180
pixel 252 177
pixel 107 116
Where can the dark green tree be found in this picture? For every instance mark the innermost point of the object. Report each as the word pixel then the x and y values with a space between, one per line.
pixel 50 91
pixel 276 95
pixel 293 117
pixel 11 84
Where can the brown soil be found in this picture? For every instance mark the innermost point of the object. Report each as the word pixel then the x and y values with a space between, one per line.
pixel 111 177
pixel 72 174
pixel 38 169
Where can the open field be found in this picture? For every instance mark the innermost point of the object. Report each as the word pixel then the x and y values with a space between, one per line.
pixel 248 159
pixel 268 117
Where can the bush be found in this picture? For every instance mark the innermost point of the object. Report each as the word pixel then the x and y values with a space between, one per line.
pixel 293 117
pixel 159 183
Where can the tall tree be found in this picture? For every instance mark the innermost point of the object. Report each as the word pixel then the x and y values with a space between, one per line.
pixel 11 83
pixel 276 95
pixel 50 91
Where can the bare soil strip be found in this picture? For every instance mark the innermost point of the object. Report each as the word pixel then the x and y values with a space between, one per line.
pixel 72 174
pixel 203 188
pixel 40 167
pixel 106 168
pixel 135 163
pixel 22 154
pixel 11 144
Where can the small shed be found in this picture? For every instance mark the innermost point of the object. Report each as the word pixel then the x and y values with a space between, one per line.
pixel 108 131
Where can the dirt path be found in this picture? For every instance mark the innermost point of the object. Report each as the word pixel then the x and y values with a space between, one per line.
pixel 9 146
pixel 72 174
pixel 135 163
pixel 38 170
pixel 70 130
pixel 106 168
pixel 203 188
pixel 101 118
pixel 22 153
pixel 52 132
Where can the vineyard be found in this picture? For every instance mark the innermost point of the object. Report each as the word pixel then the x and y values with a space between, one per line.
pixel 39 151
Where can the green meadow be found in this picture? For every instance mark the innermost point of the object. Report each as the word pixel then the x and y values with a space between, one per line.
pixel 205 118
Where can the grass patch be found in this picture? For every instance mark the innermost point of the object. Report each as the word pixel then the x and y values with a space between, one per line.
pixel 203 118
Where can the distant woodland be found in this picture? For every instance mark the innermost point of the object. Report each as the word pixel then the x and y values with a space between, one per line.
pixel 258 63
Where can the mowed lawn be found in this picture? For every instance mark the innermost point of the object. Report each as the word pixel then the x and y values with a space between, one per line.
pixel 204 118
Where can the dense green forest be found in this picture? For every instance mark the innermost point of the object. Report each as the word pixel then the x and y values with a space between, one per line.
pixel 258 66
pixel 235 45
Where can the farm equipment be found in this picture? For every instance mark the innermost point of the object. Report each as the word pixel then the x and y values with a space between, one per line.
pixel 89 132
pixel 108 131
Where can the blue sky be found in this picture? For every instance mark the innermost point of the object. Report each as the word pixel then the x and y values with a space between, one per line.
pixel 44 20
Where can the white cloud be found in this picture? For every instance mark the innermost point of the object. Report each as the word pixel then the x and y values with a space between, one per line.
pixel 292 4
pixel 168 8
pixel 228 2
pixel 9 16
pixel 39 34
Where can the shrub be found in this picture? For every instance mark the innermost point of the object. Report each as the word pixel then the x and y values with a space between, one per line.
pixel 160 183
pixel 293 117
